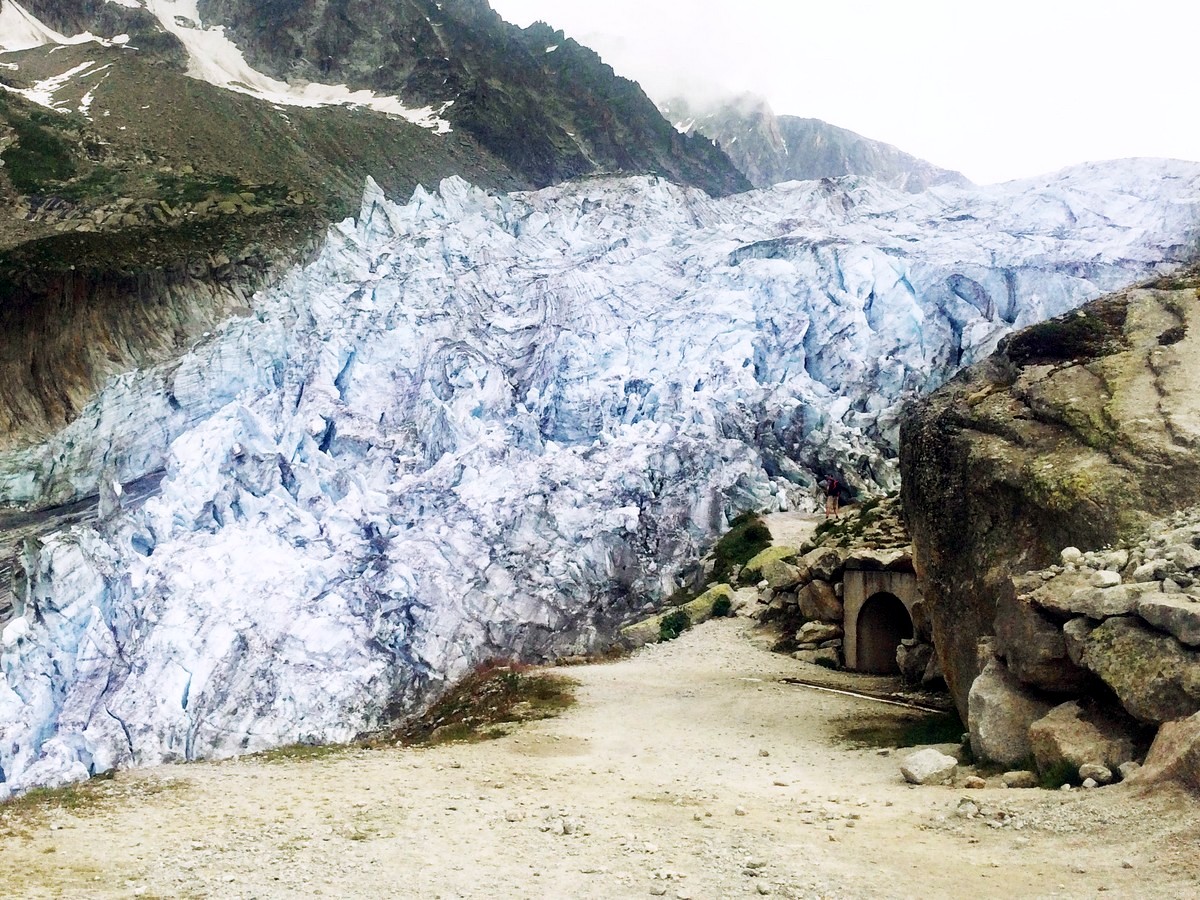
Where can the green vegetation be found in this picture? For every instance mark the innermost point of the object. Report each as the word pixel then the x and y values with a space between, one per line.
pixel 722 608
pixel 1172 336
pixel 913 729
pixel 79 798
pixel 39 157
pixel 674 624
pixel 496 694
pixel 1057 775
pixel 1088 333
pixel 747 537
pixel 302 752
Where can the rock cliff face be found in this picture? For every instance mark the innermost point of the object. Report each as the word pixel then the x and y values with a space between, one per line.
pixel 772 149
pixel 1076 433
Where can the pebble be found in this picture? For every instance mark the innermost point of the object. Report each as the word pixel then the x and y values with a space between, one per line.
pixel 763 889
pixel 739 811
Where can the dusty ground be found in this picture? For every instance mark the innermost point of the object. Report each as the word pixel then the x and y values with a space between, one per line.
pixel 793 528
pixel 687 770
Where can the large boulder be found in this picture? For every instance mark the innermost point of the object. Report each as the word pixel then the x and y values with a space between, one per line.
pixel 818 601
pixel 649 631
pixel 752 571
pixel 999 714
pixel 818 632
pixel 824 563
pixel 1097 601
pixel 1072 736
pixel 1035 648
pixel 1176 614
pixel 1076 432
pixel 1155 677
pixel 1174 756
pixel 782 576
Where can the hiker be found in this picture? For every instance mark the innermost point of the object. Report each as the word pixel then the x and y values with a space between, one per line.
pixel 832 496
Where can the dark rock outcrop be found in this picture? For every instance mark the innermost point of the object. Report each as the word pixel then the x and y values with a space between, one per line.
pixel 1076 432
pixel 544 103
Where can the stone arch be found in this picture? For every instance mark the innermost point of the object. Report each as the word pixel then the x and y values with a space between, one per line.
pixel 882 624
pixel 861 590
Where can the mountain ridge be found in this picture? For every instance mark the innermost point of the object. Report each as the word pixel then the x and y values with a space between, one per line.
pixel 771 149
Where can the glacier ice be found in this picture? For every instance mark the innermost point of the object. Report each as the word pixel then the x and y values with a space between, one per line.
pixel 485 425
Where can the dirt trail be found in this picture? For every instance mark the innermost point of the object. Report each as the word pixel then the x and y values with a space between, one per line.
pixel 687 770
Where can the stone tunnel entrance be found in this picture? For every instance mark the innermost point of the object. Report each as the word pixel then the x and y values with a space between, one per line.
pixel 878 616
pixel 882 624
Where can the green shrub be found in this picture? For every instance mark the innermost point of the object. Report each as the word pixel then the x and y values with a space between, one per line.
pixel 722 608
pixel 747 537
pixel 673 625
pixel 38 157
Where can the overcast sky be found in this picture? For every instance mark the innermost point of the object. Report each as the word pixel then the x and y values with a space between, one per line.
pixel 995 90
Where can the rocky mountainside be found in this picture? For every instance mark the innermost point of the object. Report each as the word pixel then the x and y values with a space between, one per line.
pixel 772 149
pixel 1078 432
pixel 152 180
pixel 545 105
pixel 495 424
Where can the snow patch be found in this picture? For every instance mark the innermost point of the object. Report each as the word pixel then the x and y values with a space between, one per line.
pixel 42 93
pixel 21 30
pixel 214 58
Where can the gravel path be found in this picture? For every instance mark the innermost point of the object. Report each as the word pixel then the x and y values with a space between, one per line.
pixel 687 770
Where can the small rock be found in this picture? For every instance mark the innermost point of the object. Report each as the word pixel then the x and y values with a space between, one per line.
pixel 974 783
pixel 764 752
pixel 1097 773
pixel 1104 579
pixel 763 889
pixel 1125 770
pixel 928 766
pixel 739 811
pixel 1020 779
pixel 1090 783
pixel 1071 556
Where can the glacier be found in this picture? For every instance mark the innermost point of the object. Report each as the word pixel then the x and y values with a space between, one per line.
pixel 488 425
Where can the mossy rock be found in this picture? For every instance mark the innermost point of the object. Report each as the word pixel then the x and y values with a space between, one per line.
pixel 777 553
pixel 649 631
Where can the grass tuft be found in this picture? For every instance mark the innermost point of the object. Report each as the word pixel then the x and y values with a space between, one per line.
pixel 674 624
pixel 747 537
pixel 497 694
pixel 914 729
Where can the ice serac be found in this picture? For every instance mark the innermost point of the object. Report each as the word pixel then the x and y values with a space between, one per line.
pixel 487 425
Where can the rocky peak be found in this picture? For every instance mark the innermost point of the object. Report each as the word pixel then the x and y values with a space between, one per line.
pixel 771 149
pixel 543 103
